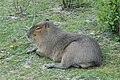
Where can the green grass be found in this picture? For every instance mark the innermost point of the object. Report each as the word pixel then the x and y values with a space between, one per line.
pixel 13 42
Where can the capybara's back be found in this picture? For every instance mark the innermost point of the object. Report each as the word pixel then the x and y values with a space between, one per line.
pixel 66 49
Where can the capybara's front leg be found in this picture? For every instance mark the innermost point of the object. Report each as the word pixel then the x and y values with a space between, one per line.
pixel 31 49
pixel 34 49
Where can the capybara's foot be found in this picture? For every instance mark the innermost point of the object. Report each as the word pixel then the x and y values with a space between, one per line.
pixel 55 65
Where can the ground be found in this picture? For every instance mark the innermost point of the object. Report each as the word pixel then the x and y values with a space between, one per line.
pixel 14 24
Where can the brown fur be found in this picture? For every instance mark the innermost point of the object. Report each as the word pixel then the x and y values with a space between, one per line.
pixel 67 49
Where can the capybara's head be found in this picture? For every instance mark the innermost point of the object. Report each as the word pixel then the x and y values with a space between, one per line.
pixel 38 30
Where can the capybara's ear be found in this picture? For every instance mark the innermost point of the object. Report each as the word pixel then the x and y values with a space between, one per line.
pixel 46 19
pixel 47 24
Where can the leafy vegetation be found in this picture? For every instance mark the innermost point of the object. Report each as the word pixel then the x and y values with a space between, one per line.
pixel 108 12
pixel 16 65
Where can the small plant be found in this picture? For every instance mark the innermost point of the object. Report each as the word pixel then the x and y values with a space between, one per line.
pixel 21 6
pixel 75 3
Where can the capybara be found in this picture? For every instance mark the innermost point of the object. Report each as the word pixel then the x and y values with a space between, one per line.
pixel 66 49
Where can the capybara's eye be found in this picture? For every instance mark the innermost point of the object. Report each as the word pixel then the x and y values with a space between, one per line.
pixel 38 28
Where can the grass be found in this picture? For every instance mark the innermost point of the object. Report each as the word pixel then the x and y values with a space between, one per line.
pixel 15 65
